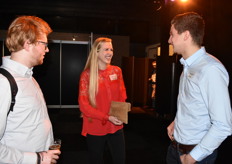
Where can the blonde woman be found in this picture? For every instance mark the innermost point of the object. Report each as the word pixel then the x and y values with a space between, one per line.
pixel 101 83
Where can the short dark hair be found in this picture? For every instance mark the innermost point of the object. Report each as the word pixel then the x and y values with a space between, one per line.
pixel 192 22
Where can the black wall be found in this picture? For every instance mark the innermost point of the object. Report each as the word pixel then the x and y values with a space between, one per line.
pixel 59 75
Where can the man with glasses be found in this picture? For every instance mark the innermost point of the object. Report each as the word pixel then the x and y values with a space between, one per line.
pixel 44 43
pixel 26 133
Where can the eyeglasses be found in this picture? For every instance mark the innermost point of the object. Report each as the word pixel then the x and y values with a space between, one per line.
pixel 44 43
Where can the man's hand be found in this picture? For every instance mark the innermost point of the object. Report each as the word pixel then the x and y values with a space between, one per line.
pixel 170 131
pixel 187 159
pixel 50 156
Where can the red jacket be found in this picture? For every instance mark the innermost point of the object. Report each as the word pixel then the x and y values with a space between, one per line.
pixel 110 88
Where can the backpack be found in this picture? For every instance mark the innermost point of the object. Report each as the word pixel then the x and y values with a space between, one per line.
pixel 13 85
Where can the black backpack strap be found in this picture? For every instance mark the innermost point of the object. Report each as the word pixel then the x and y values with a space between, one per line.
pixel 13 85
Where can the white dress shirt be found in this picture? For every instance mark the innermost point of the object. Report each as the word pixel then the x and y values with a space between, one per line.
pixel 28 128
pixel 204 111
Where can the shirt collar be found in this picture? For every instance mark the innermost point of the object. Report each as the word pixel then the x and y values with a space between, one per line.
pixel 17 67
pixel 193 57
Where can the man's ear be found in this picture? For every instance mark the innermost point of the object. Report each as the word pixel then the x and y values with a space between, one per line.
pixel 187 35
pixel 27 45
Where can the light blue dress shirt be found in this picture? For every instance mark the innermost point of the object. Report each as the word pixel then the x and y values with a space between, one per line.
pixel 28 128
pixel 203 108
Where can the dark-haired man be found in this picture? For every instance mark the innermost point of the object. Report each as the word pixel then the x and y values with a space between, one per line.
pixel 203 120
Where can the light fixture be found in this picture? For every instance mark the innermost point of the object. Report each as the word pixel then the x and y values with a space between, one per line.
pixel 183 1
pixel 74 37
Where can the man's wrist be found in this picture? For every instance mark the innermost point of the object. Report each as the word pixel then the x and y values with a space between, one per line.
pixel 190 158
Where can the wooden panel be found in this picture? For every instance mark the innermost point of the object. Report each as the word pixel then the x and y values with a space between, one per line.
pixel 136 74
pixel 140 81
pixel 127 70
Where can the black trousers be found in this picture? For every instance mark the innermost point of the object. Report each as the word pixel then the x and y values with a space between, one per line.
pixel 115 142
pixel 173 157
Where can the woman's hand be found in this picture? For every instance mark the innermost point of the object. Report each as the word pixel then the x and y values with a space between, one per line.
pixel 115 120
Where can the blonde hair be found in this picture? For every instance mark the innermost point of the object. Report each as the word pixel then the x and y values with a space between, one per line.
pixel 92 65
pixel 25 28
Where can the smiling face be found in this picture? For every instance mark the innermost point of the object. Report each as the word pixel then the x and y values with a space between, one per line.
pixel 176 40
pixel 105 54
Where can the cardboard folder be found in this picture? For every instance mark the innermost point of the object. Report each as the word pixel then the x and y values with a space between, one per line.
pixel 120 110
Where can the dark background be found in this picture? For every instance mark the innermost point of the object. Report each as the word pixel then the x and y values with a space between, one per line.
pixel 145 22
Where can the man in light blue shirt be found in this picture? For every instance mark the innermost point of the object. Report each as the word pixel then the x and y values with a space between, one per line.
pixel 26 133
pixel 203 120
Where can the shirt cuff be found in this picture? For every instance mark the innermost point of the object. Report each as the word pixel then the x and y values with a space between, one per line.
pixel 29 158
pixel 105 119
pixel 198 153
